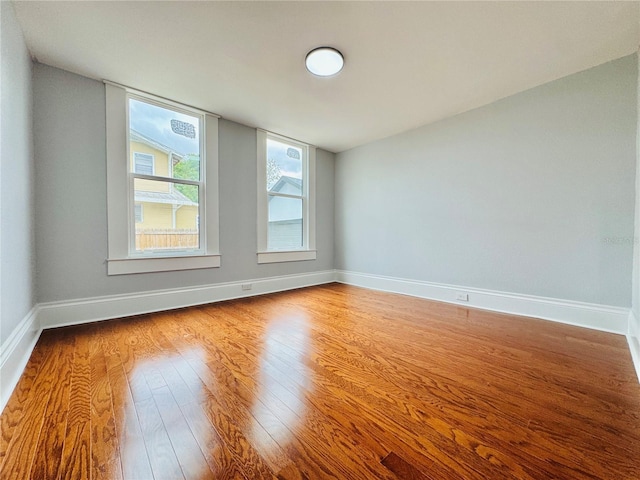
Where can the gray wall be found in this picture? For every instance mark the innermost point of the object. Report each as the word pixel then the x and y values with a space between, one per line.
pixel 71 200
pixel 16 177
pixel 533 194
pixel 635 301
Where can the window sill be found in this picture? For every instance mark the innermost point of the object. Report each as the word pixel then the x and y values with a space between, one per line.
pixel 286 256
pixel 126 266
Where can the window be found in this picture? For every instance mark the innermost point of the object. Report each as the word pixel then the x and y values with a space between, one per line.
pixel 286 199
pixel 162 160
pixel 143 163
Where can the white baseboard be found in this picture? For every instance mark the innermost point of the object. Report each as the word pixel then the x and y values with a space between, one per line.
pixel 588 315
pixel 60 314
pixel 15 353
pixel 633 338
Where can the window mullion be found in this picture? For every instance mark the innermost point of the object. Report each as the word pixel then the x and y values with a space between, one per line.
pixel 181 181
pixel 285 195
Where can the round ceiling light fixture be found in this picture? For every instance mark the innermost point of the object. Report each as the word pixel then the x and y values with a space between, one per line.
pixel 324 61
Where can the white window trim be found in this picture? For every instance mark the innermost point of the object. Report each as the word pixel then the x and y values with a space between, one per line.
pixel 308 251
pixel 120 207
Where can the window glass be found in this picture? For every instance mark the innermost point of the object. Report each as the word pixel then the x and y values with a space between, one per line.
pixel 171 219
pixel 285 193
pixel 283 162
pixel 172 137
pixel 285 223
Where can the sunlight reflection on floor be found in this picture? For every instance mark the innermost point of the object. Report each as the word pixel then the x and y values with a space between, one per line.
pixel 283 378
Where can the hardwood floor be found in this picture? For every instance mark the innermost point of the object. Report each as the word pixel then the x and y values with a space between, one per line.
pixel 324 382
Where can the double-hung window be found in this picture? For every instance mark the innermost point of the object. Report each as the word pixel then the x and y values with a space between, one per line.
pixel 286 199
pixel 162 184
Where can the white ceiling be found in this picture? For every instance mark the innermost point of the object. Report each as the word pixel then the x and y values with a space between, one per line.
pixel 407 64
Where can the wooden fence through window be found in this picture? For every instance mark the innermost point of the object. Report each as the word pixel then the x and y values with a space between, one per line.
pixel 159 239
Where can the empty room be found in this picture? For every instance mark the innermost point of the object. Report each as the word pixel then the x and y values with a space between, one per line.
pixel 307 240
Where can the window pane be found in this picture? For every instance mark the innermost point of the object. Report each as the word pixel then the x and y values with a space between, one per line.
pixel 169 215
pixel 168 139
pixel 284 167
pixel 285 223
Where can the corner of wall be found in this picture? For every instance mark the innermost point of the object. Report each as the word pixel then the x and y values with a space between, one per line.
pixel 633 335
pixel 19 329
pixel 15 353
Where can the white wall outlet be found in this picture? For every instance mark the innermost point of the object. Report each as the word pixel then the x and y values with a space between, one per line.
pixel 462 297
pixel 246 286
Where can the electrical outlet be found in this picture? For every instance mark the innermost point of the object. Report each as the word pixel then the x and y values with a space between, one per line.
pixel 462 297
pixel 246 286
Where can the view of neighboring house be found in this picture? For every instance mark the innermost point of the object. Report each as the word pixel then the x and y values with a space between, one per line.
pixel 285 214
pixel 159 205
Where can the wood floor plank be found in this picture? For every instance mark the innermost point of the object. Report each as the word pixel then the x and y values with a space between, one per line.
pixel 21 448
pixel 133 453
pixel 402 468
pixel 15 409
pixel 162 457
pixel 55 418
pixel 75 463
pixel 136 354
pixel 185 446
pixel 220 459
pixel 331 381
pixel 105 452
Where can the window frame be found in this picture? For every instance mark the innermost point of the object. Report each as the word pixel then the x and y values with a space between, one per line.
pixel 308 249
pixel 170 180
pixel 122 258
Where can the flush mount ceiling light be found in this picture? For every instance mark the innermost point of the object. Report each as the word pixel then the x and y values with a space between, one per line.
pixel 324 61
